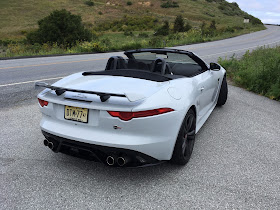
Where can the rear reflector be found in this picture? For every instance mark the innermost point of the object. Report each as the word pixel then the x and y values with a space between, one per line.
pixel 42 102
pixel 130 115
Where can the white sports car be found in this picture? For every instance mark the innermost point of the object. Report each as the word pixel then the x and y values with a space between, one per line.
pixel 141 110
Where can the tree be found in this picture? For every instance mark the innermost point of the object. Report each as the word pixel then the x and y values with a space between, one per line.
pixel 163 30
pixel 203 28
pixel 178 24
pixel 187 27
pixel 213 25
pixel 60 27
pixel 212 29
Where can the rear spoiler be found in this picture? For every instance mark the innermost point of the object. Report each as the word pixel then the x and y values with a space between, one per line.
pixel 60 90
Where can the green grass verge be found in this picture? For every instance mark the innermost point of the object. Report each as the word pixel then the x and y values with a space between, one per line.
pixel 117 41
pixel 257 71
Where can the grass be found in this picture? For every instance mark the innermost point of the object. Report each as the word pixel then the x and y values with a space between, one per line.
pixel 258 71
pixel 19 17
pixel 117 41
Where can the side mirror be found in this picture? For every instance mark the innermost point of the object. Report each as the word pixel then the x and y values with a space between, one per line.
pixel 215 67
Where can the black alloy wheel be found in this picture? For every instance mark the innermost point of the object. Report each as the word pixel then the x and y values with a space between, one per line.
pixel 223 93
pixel 185 140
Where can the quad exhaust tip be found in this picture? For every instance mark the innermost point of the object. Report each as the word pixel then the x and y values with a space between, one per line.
pixel 46 142
pixel 121 161
pixel 49 144
pixel 110 160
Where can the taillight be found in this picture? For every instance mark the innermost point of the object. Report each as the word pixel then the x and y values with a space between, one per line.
pixel 130 115
pixel 42 102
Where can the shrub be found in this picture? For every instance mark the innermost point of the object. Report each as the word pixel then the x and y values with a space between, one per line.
pixel 213 25
pixel 129 3
pixel 156 41
pixel 234 4
pixel 253 20
pixel 229 29
pixel 92 47
pixel 94 35
pixel 131 46
pixel 187 27
pixel 210 14
pixel 256 21
pixel 129 23
pixel 128 33
pixel 163 30
pixel 34 48
pixel 238 27
pixel 174 36
pixel 179 24
pixel 106 42
pixel 89 3
pixel 209 31
pixel 230 9
pixel 143 35
pixel 6 42
pixel 60 27
pixel 258 71
pixel 169 4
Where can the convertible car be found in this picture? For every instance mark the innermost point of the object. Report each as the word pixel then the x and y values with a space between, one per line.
pixel 144 108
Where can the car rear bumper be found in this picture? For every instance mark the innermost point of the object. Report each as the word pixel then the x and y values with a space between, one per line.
pixel 152 136
pixel 99 153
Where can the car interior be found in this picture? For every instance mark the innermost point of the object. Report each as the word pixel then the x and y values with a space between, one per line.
pixel 159 66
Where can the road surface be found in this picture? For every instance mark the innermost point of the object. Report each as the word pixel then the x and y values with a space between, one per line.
pixel 235 163
pixel 17 77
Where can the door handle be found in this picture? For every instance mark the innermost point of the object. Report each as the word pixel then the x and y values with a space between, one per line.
pixel 202 88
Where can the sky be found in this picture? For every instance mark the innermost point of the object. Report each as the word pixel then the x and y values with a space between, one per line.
pixel 268 11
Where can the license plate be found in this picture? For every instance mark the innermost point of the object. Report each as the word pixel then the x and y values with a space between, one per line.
pixel 76 114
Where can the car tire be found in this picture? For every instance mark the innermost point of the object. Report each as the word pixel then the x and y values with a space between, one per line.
pixel 185 140
pixel 223 93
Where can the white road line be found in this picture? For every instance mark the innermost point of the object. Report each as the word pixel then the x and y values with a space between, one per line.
pixel 48 64
pixel 243 41
pixel 240 49
pixel 20 83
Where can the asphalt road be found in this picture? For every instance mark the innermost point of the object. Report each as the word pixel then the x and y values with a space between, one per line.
pixel 17 77
pixel 235 163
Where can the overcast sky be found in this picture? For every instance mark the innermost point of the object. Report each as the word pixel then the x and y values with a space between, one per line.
pixel 266 10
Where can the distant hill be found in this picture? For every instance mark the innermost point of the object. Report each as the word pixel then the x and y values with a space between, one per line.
pixel 18 17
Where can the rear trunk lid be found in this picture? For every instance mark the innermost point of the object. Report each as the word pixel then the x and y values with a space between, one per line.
pixel 134 89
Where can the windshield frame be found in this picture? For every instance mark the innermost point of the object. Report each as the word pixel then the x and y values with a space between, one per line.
pixel 204 66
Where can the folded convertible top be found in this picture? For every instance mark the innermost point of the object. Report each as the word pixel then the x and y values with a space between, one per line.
pixel 131 73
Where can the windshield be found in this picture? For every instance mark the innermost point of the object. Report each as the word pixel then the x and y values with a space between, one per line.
pixel 167 56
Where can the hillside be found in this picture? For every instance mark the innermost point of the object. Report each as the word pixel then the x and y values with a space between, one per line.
pixel 19 17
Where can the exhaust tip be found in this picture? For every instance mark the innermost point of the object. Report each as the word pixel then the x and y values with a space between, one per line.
pixel 110 160
pixel 121 161
pixel 46 142
pixel 50 145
